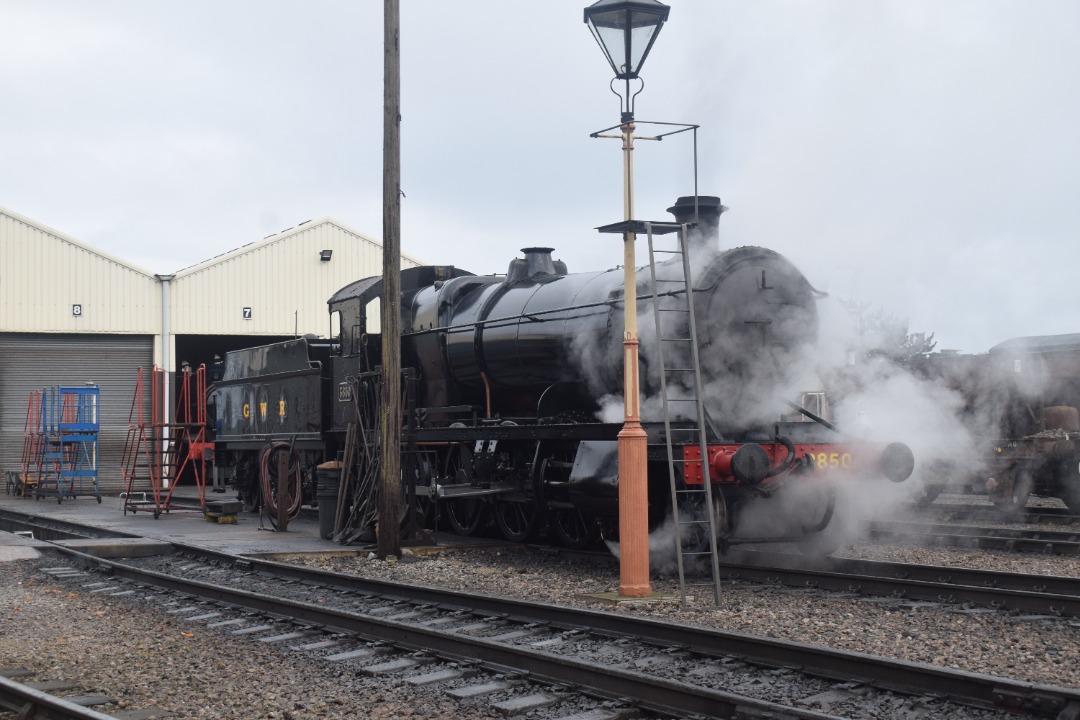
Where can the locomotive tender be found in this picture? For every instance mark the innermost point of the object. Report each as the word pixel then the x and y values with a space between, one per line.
pixel 512 373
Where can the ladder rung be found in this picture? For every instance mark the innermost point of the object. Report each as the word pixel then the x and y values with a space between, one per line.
pixel 678 369
pixel 678 310
pixel 668 252
pixel 676 339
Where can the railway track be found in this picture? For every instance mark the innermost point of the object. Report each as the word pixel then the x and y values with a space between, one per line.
pixel 991 514
pixel 39 700
pixel 1047 595
pixel 985 538
pixel 554 651
pixel 51 529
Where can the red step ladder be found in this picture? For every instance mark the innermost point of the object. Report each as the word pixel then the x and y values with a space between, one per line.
pixel 158 452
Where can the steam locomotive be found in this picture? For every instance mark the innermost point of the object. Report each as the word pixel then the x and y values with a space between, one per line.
pixel 510 382
pixel 1021 402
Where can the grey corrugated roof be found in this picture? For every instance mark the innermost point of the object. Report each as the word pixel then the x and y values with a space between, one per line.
pixel 1039 344
pixel 77 243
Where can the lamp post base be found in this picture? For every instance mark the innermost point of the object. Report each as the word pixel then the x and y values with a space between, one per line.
pixel 633 512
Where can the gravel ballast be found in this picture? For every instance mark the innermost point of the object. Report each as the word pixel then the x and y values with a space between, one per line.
pixel 984 641
pixel 149 659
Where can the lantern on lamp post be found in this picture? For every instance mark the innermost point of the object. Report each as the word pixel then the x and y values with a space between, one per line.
pixel 626 31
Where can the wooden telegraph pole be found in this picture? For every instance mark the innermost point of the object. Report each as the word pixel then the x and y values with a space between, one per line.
pixel 390 510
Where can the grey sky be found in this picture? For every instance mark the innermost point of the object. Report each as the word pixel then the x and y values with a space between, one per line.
pixel 919 155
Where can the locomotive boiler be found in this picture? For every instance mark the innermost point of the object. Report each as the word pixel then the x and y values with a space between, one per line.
pixel 511 381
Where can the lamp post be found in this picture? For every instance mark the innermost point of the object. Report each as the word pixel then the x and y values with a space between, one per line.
pixel 626 31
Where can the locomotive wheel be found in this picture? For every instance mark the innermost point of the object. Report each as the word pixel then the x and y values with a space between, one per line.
pixel 1071 498
pixel 517 521
pixel 1016 500
pixel 928 495
pixel 1069 483
pixel 694 535
pixel 830 533
pixel 820 544
pixel 466 516
pixel 521 517
pixel 268 471
pixel 572 529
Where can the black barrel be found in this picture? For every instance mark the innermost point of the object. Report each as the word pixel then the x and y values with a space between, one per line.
pixel 326 491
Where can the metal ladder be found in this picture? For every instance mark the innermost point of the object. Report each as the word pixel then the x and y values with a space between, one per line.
pixel 687 501
pixel 67 446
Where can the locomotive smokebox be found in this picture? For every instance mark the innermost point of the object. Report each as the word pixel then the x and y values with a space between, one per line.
pixel 706 213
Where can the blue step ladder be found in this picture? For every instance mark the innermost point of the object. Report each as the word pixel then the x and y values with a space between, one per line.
pixel 71 423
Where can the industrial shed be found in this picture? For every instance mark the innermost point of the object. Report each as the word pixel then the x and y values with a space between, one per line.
pixel 266 291
pixel 71 314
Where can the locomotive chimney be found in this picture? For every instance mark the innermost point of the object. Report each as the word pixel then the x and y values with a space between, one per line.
pixel 537 264
pixel 709 210
pixel 538 261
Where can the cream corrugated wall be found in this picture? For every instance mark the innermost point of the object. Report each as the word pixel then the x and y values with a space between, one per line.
pixel 43 274
pixel 276 278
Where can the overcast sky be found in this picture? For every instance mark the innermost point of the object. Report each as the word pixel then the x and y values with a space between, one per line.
pixel 922 156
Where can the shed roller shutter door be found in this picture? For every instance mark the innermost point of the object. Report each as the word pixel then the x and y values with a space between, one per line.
pixel 31 362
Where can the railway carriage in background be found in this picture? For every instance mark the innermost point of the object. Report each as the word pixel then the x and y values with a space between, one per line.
pixel 506 383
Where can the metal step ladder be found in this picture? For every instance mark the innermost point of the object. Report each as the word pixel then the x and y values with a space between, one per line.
pixel 156 453
pixel 79 427
pixel 67 445
pixel 677 353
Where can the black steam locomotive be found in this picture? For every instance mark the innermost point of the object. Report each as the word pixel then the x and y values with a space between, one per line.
pixel 510 383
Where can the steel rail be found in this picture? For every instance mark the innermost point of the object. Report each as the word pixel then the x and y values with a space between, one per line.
pixel 28 702
pixel 657 694
pixel 1061 543
pixel 972 530
pixel 755 565
pixel 1006 591
pixel 1044 594
pixel 990 513
pixel 885 673
pixel 1050 586
pixel 1049 595
pixel 11 520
